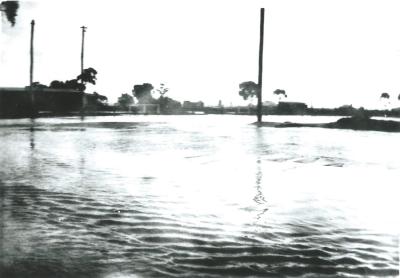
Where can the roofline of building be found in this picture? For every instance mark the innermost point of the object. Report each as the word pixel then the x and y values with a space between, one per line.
pixel 26 89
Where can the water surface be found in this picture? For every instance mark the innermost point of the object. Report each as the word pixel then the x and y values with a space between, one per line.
pixel 196 196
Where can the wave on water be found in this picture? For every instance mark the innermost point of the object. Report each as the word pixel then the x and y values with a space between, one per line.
pixel 74 236
pixel 177 198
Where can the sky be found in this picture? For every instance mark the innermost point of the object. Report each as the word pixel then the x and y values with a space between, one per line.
pixel 324 53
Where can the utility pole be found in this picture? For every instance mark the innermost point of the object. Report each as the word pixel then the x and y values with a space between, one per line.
pixel 82 56
pixel 83 45
pixel 31 54
pixel 260 67
pixel 33 110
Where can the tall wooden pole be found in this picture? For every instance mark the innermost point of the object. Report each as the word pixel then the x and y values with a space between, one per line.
pixel 83 46
pixel 82 56
pixel 31 53
pixel 33 110
pixel 260 67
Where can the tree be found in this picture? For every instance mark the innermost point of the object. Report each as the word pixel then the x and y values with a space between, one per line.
pixel 38 85
pixel 168 105
pixel 248 89
pixel 72 84
pixel 162 90
pixel 10 8
pixel 385 95
pixel 124 101
pixel 100 97
pixel 143 93
pixel 280 93
pixel 88 76
pixel 386 98
pixel 55 84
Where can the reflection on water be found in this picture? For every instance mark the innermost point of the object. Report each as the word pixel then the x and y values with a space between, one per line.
pixel 259 198
pixel 32 135
pixel 195 196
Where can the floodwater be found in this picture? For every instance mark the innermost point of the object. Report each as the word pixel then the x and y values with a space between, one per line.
pixel 196 196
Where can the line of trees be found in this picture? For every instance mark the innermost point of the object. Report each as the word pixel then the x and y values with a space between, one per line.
pixel 146 93
pixel 385 97
pixel 78 84
pixel 249 89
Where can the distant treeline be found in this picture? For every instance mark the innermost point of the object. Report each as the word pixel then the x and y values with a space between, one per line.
pixel 17 102
pixel 295 108
pixel 350 112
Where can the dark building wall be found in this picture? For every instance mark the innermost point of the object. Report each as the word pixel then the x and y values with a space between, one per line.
pixel 16 102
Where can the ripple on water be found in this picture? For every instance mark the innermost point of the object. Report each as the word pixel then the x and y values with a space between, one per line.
pixel 126 234
pixel 79 215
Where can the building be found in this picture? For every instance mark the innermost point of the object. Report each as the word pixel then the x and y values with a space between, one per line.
pixel 188 105
pixel 17 102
